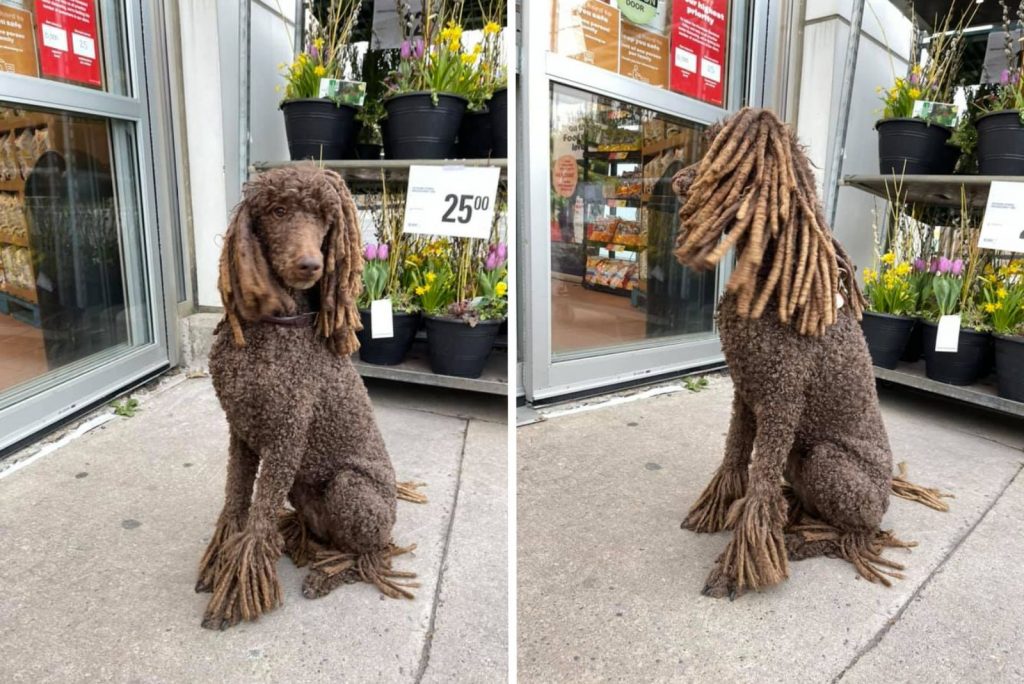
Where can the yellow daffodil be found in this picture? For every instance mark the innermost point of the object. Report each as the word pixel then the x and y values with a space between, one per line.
pixel 914 93
pixel 888 258
pixel 431 277
pixel 319 70
pixel 870 275
pixel 500 289
pixel 319 43
pixel 1001 293
pixel 420 291
pixel 903 269
pixel 491 27
pixel 468 59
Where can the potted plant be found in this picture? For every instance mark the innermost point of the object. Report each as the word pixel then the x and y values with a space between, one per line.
pixel 427 92
pixel 950 295
pixel 1001 129
pixel 912 143
pixel 319 127
pixel 1002 301
pixel 885 322
pixel 488 102
pixel 463 322
pixel 920 287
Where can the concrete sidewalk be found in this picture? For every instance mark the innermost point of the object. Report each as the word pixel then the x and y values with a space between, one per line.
pixel 100 541
pixel 609 586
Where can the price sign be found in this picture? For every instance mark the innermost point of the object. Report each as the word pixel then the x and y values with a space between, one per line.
pixel 456 201
pixel 67 37
pixel 1003 225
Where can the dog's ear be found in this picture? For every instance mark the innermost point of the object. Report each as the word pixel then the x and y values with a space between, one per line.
pixel 343 272
pixel 247 285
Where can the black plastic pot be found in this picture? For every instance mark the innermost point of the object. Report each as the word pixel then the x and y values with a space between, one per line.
pixel 318 128
pixel 370 151
pixel 385 139
pixel 962 367
pixel 475 135
pixel 886 336
pixel 499 123
pixel 911 146
pixel 1000 144
pixel 946 164
pixel 915 344
pixel 419 129
pixel 387 351
pixel 458 349
pixel 1010 366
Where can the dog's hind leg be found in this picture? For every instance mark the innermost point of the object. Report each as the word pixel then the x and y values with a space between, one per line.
pixel 729 482
pixel 242 465
pixel 756 556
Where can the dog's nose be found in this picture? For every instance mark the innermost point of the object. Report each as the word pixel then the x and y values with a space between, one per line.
pixel 309 265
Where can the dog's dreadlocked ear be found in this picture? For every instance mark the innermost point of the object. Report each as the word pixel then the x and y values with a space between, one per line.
pixel 343 272
pixel 247 286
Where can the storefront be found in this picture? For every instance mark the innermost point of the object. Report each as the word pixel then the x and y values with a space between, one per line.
pixel 614 97
pixel 86 238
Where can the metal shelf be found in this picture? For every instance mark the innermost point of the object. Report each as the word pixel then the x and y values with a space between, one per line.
pixel 981 394
pixel 416 369
pixel 943 191
pixel 366 171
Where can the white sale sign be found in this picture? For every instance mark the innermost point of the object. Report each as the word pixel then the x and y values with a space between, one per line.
pixel 1002 228
pixel 456 201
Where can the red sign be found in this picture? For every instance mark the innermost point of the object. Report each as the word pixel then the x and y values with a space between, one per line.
pixel 68 48
pixel 698 66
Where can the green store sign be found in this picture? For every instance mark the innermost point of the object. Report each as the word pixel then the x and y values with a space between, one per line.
pixel 639 11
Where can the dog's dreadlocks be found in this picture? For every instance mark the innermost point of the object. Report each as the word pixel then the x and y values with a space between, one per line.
pixel 755 187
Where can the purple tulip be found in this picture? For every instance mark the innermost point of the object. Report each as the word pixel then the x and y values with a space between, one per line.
pixel 313 52
pixel 370 253
pixel 1004 76
pixel 417 48
pixel 382 252
pixel 914 78
pixel 945 265
pixel 406 50
pixel 502 251
pixel 957 267
pixel 492 262
pixel 934 266
pixel 919 265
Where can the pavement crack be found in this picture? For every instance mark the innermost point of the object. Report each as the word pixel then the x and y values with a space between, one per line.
pixel 889 623
pixel 429 639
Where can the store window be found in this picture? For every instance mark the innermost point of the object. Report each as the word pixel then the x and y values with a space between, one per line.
pixel 675 44
pixel 61 40
pixel 614 218
pixel 71 283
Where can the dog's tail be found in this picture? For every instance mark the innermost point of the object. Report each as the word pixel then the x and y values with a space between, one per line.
pixel 932 498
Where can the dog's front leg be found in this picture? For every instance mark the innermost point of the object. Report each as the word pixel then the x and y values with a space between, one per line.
pixel 246 584
pixel 729 482
pixel 242 465
pixel 756 556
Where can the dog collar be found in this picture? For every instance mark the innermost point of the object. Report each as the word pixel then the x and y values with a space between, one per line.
pixel 298 321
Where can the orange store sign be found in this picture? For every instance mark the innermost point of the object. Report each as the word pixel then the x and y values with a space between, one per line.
pixel 17 44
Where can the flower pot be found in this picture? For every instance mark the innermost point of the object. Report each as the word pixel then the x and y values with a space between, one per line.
pixel 1000 144
pixel 318 128
pixel 387 351
pixel 962 367
pixel 886 336
pixel 498 106
pixel 385 139
pixel 915 344
pixel 911 146
pixel 419 129
pixel 475 135
pixel 369 151
pixel 458 349
pixel 1010 366
pixel 948 158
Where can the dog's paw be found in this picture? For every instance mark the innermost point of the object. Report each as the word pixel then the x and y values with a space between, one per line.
pixel 720 584
pixel 204 585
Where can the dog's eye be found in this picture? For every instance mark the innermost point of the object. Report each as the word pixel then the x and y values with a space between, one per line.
pixel 279 212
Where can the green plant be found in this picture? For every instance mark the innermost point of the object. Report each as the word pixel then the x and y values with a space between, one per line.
pixel 1009 93
pixel 325 53
pixel 695 384
pixel 126 408
pixel 1001 295
pixel 888 289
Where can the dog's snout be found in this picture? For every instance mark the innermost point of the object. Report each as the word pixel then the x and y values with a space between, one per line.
pixel 310 265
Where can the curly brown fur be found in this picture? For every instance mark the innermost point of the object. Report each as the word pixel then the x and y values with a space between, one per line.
pixel 805 408
pixel 302 426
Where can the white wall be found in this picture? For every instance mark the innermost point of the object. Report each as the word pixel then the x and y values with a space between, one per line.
pixel 826 33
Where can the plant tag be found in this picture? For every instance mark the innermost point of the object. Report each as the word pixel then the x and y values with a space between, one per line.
pixel 1002 228
pixel 345 92
pixel 381 320
pixel 947 339
pixel 457 201
pixel 936 112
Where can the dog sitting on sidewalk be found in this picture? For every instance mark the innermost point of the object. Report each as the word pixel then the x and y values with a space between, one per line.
pixel 805 407
pixel 301 422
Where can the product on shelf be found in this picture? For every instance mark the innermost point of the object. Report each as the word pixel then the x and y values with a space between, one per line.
pixel 9 167
pixel 603 229
pixel 629 234
pixel 12 219
pixel 17 266
pixel 612 273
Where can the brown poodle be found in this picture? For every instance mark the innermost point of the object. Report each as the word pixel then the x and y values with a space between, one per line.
pixel 301 421
pixel 805 407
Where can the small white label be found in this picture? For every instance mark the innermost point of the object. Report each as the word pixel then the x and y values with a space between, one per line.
pixel 457 201
pixel 381 321
pixel 839 301
pixel 55 37
pixel 711 70
pixel 686 60
pixel 947 339
pixel 83 46
pixel 1002 228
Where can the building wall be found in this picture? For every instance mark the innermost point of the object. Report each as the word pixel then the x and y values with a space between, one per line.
pixel 885 45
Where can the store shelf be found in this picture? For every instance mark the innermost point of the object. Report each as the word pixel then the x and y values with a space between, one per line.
pixel 620 291
pixel 941 191
pixel 19 293
pixel 12 185
pixel 369 170
pixel 982 394
pixel 416 369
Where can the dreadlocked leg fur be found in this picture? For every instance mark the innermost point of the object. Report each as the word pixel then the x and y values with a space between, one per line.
pixel 756 556
pixel 932 498
pixel 410 491
pixel 809 537
pixel 246 584
pixel 332 568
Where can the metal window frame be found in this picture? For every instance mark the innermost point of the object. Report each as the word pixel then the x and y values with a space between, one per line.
pixel 542 375
pixel 68 390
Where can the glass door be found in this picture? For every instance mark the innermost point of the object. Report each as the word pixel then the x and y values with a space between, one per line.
pixel 616 96
pixel 81 301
